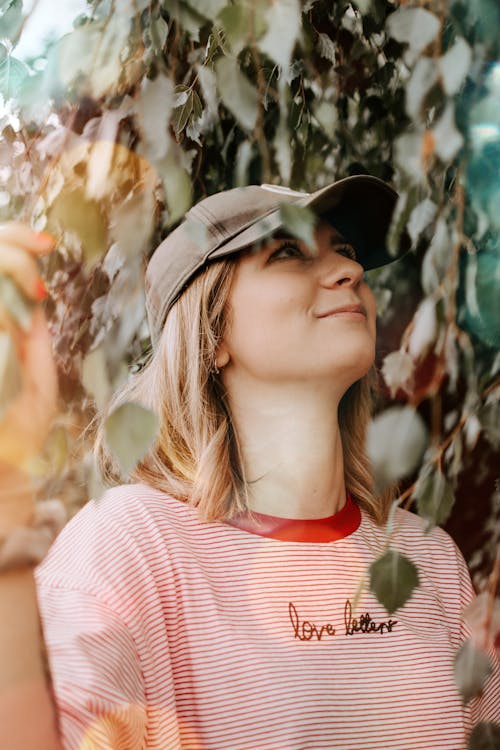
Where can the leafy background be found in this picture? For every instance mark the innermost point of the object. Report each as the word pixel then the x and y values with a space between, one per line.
pixel 109 133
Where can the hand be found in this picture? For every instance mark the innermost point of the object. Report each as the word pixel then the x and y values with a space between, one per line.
pixel 28 418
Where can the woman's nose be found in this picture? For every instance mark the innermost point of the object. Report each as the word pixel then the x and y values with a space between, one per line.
pixel 338 269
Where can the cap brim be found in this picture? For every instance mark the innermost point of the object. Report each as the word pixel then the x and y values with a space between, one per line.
pixel 360 207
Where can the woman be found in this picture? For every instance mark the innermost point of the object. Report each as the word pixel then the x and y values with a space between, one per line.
pixel 213 602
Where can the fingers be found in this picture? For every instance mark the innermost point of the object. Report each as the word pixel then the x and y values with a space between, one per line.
pixel 39 363
pixel 15 233
pixel 23 268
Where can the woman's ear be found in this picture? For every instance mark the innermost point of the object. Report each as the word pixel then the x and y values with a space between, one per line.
pixel 221 356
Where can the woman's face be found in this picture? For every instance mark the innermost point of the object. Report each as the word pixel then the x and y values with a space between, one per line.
pixel 278 328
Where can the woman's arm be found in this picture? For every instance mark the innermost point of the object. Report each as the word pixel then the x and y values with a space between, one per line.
pixel 27 714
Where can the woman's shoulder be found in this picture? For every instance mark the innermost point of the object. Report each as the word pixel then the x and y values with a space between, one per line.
pixel 122 506
pixel 412 534
pixel 119 532
pixel 432 545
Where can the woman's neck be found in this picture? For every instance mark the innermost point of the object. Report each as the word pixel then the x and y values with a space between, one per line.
pixel 292 452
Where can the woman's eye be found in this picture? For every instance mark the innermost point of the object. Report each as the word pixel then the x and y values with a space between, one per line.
pixel 349 250
pixel 288 249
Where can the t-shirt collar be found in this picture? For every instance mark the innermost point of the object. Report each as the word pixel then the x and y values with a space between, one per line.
pixel 329 529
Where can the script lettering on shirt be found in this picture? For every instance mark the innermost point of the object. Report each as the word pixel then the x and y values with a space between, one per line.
pixel 305 630
pixel 364 624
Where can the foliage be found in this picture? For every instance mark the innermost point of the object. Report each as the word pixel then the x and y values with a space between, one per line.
pixel 107 139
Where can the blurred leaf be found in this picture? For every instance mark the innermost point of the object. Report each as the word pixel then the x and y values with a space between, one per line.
pixel 454 65
pixel 132 222
pixel 130 432
pixel 397 370
pixel 396 440
pixel 13 74
pixel 56 451
pixel 283 21
pixel 447 138
pixel 393 579
pixel 237 93
pixel 282 147
pixel 208 8
pixel 408 155
pixel 435 497
pixel 299 221
pixel 423 77
pixel 11 19
pixel 326 115
pixel 416 27
pixel 425 329
pixel 243 158
pixel 10 372
pixel 71 211
pixel 176 184
pixel 420 218
pixel 157 99
pixel 484 736
pixel 472 667
pixel 95 377
pixel 236 21
pixel 326 47
pixel 479 293
pixel 92 58
pixel 158 32
pixel 437 258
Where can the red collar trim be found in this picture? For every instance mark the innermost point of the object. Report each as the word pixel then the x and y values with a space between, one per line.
pixel 329 529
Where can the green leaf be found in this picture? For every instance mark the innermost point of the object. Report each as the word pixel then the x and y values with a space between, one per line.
pixel 235 20
pixel 11 19
pixel 182 114
pixel 71 211
pixel 435 497
pixel 484 736
pixel 300 222
pixel 130 432
pixel 393 578
pixel 471 668
pixel 415 26
pixel 158 32
pixel 237 93
pixel 10 372
pixel 454 66
pixel 13 73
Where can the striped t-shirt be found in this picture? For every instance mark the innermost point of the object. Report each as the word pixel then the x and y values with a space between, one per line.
pixel 167 633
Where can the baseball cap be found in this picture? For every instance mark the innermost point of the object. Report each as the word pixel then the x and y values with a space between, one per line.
pixel 360 207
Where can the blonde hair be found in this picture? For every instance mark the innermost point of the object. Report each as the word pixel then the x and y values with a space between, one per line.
pixel 195 456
